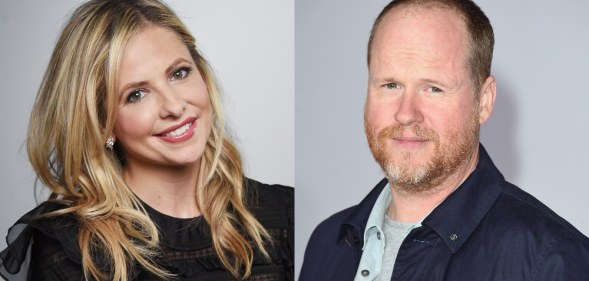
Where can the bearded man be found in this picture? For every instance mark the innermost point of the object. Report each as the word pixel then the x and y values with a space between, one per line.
pixel 444 211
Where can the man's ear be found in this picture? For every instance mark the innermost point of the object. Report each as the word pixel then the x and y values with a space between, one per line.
pixel 487 99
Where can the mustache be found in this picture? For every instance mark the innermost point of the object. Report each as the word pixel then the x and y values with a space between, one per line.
pixel 397 131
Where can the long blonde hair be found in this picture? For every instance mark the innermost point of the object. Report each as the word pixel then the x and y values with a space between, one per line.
pixel 73 115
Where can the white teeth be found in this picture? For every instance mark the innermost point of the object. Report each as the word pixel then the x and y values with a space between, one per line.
pixel 178 131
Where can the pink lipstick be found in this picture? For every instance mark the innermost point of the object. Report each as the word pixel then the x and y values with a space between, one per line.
pixel 179 133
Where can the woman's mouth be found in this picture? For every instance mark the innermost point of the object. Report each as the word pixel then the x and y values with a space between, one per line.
pixel 179 133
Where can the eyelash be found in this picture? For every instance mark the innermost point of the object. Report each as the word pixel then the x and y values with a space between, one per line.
pixel 391 85
pixel 186 70
pixel 434 89
pixel 133 93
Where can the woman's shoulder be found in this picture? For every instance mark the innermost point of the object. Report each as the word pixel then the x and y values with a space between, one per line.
pixel 38 242
pixel 268 196
pixel 271 191
pixel 273 207
pixel 271 204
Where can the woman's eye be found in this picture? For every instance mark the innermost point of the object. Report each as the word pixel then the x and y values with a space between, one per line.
pixel 391 85
pixel 136 96
pixel 181 73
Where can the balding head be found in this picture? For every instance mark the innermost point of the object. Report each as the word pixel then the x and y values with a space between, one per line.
pixel 480 39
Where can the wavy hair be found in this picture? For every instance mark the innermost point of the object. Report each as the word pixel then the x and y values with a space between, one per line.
pixel 73 115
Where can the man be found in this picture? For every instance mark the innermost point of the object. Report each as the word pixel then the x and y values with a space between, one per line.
pixel 444 211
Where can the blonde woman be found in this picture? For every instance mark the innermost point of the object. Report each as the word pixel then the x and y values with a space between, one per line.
pixel 128 134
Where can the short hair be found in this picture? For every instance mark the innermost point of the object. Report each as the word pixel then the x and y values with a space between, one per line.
pixel 479 30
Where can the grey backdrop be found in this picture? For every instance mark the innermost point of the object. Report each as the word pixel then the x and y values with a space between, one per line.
pixel 251 50
pixel 537 135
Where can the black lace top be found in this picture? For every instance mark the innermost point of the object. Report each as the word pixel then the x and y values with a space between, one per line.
pixel 46 249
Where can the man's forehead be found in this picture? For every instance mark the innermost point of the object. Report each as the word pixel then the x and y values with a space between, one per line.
pixel 421 11
pixel 403 27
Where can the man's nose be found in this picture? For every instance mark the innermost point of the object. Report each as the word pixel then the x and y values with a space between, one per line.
pixel 409 109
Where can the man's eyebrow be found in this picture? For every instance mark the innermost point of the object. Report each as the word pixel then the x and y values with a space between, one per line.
pixel 382 79
pixel 389 79
pixel 433 81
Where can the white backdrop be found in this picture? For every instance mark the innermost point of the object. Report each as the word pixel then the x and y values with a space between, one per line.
pixel 250 45
pixel 537 135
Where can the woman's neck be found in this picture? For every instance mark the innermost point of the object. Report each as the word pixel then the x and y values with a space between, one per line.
pixel 169 190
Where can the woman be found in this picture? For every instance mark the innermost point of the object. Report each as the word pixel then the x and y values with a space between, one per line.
pixel 128 134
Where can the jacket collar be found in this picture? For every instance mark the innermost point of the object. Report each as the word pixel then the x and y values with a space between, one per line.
pixel 352 229
pixel 454 219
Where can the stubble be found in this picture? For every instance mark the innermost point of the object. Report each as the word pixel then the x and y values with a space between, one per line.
pixel 450 153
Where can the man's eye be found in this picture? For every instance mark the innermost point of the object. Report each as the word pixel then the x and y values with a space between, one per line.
pixel 136 96
pixel 181 73
pixel 391 86
pixel 434 90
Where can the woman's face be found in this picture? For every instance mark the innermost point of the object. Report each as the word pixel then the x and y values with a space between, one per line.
pixel 164 113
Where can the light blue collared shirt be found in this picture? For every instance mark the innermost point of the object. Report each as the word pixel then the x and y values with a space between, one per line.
pixel 374 239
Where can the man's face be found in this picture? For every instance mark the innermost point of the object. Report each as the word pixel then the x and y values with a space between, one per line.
pixel 421 114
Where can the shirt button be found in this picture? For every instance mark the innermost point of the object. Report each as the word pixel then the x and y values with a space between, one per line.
pixel 365 272
pixel 454 237
pixel 378 235
pixel 356 240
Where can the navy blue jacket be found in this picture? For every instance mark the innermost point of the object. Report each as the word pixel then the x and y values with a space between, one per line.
pixel 488 229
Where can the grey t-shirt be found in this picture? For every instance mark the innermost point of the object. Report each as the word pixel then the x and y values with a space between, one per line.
pixel 394 233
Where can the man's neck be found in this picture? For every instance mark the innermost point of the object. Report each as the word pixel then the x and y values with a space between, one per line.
pixel 413 207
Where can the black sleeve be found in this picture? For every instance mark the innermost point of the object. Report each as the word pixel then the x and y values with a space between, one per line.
pixel 287 194
pixel 273 207
pixel 49 261
pixel 42 248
